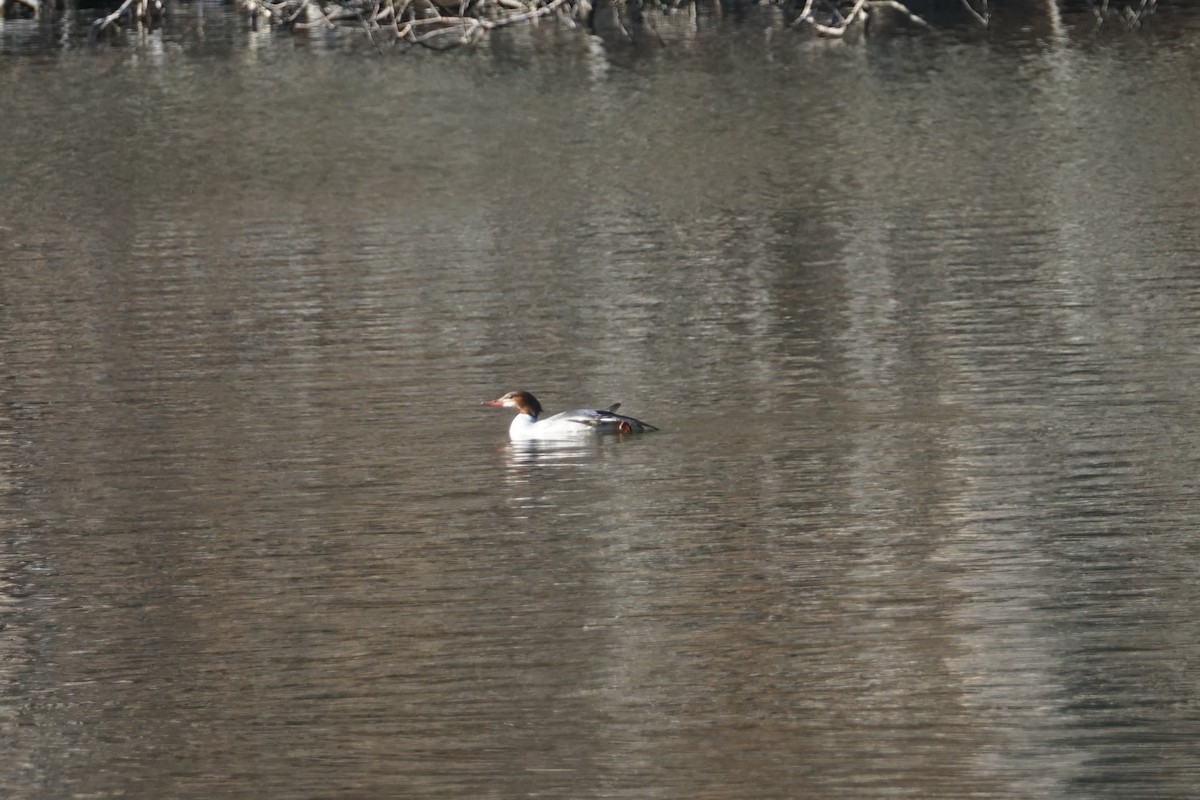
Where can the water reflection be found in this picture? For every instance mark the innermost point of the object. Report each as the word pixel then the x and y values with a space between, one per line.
pixel 520 456
pixel 922 523
pixel 524 465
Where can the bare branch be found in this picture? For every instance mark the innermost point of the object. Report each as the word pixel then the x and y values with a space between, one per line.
pixel 903 9
pixel 982 19
pixel 805 13
pixel 104 22
pixel 858 12
pixel 844 22
pixel 510 19
pixel 1130 17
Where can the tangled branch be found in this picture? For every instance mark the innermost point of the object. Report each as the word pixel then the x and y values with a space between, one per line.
pixel 833 19
pixel 1129 16
pixel 138 10
pixel 438 24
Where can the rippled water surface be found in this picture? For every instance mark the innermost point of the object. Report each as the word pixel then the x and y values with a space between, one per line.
pixel 919 319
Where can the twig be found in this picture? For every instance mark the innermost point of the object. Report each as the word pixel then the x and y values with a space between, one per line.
pixel 299 10
pixel 1145 9
pixel 370 36
pixel 903 9
pixel 540 11
pixel 1130 17
pixel 843 25
pixel 104 22
pixel 322 17
pixel 858 11
pixel 805 13
pixel 396 15
pixel 463 38
pixel 981 18
pixel 261 6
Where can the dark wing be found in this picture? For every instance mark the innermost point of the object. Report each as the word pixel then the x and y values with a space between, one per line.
pixel 604 420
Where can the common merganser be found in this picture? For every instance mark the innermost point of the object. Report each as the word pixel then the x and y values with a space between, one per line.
pixel 569 424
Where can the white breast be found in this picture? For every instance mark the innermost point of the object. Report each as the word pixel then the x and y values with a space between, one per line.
pixel 525 428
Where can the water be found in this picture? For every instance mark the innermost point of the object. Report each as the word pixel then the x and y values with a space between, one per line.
pixel 920 320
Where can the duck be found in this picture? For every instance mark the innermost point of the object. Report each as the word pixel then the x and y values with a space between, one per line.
pixel 578 422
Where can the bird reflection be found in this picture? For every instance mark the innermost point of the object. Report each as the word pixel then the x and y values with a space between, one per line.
pixel 525 462
pixel 520 456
